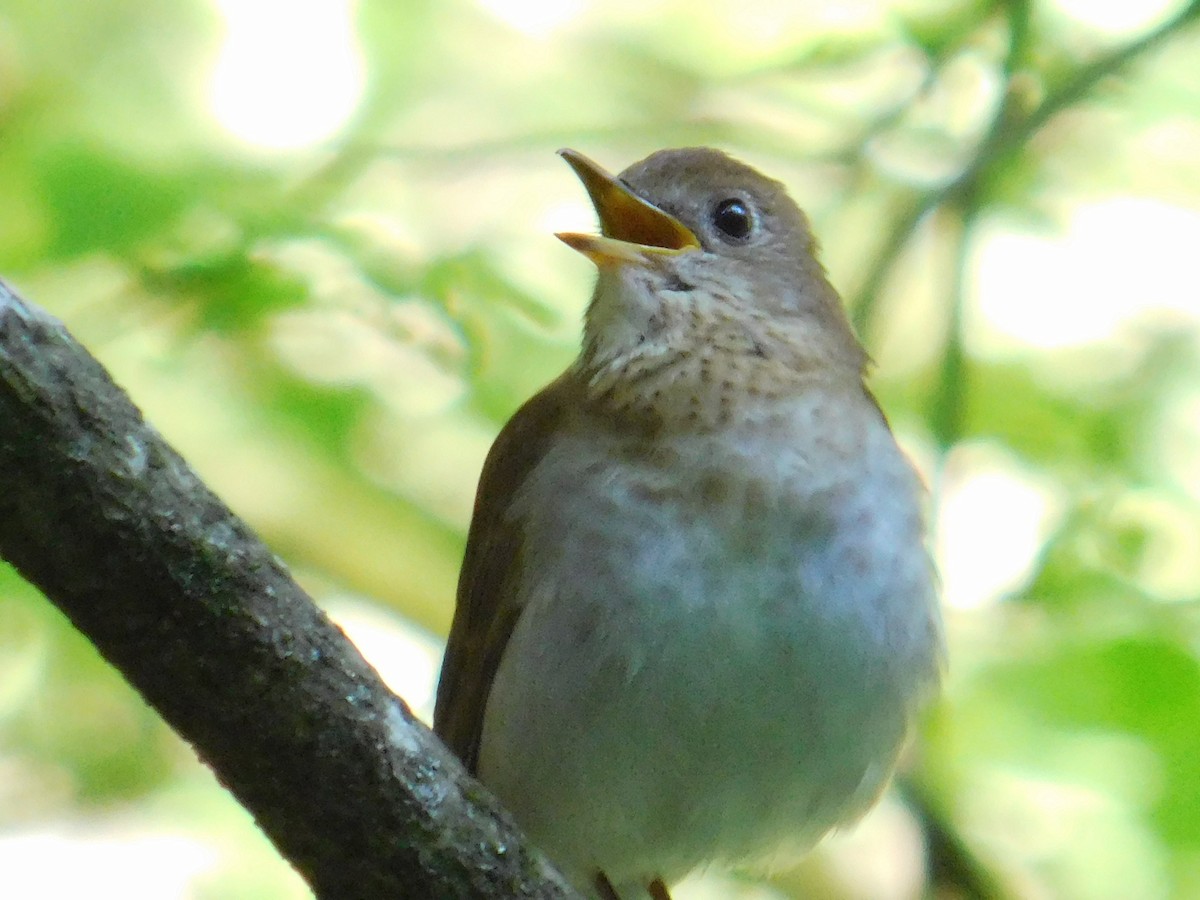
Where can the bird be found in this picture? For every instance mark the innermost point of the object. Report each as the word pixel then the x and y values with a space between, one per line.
pixel 697 618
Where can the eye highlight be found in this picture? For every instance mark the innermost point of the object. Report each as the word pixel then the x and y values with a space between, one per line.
pixel 733 219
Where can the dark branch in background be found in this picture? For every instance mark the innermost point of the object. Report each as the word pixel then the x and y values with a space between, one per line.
pixel 947 406
pixel 109 522
pixel 1010 130
pixel 954 869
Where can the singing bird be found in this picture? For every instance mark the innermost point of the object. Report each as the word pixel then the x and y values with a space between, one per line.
pixel 696 617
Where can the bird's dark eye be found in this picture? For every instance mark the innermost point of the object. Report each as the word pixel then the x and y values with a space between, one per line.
pixel 733 219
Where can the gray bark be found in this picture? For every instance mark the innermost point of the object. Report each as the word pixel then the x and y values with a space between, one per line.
pixel 177 593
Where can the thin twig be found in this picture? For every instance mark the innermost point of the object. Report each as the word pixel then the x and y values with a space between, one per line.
pixel 1008 132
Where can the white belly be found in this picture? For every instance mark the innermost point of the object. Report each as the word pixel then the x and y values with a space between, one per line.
pixel 714 670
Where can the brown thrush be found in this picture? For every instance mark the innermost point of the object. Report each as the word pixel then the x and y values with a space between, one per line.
pixel 696 618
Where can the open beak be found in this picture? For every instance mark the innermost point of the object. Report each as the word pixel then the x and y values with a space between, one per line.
pixel 630 228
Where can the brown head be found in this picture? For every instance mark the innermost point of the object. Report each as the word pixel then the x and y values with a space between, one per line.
pixel 703 257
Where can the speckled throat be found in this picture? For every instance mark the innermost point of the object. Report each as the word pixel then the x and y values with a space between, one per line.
pixel 697 366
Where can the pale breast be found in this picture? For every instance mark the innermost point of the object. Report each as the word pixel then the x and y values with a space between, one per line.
pixel 725 639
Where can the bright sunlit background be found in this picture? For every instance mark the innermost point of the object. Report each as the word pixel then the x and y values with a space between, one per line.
pixel 313 241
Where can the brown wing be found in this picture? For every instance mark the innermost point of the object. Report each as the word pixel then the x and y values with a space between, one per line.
pixel 488 602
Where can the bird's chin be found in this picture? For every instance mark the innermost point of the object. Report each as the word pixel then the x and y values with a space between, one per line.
pixel 625 315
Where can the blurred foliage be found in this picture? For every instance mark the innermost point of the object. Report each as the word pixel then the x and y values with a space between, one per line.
pixel 333 333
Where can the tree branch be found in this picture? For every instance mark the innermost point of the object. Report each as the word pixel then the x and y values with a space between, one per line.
pixel 181 596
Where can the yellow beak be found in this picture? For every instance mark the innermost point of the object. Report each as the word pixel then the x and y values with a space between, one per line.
pixel 630 227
